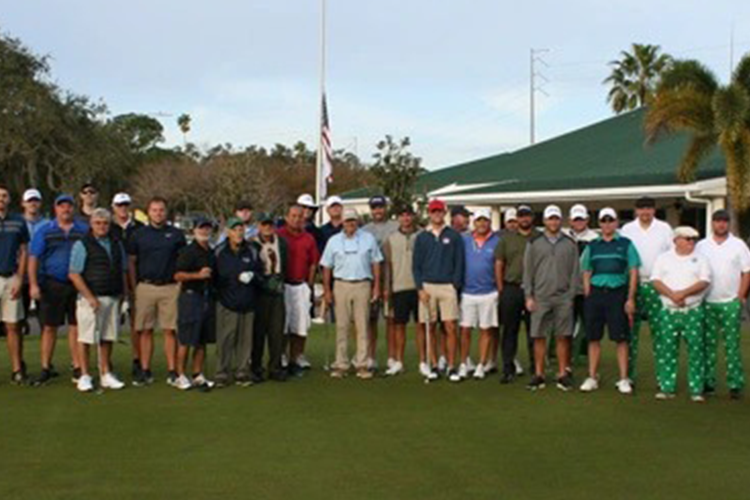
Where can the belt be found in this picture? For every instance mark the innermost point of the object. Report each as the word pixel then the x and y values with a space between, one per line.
pixel 157 282
pixel 294 283
pixel 510 283
pixel 6 275
pixel 607 289
pixel 353 281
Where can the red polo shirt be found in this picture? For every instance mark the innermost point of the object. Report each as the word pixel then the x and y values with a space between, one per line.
pixel 303 253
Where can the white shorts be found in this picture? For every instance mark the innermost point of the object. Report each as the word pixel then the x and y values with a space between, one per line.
pixel 479 310
pixel 102 325
pixel 12 309
pixel 297 303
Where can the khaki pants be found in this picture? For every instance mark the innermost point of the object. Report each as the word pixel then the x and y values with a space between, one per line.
pixel 352 304
pixel 234 343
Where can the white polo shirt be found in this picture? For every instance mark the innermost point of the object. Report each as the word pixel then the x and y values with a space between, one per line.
pixel 679 272
pixel 728 260
pixel 650 243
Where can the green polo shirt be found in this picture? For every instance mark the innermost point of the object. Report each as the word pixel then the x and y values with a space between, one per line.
pixel 610 262
pixel 510 250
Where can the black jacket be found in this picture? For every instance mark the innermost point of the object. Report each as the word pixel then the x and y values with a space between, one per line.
pixel 232 293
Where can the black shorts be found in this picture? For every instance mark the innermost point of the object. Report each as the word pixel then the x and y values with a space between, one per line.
pixel 196 320
pixel 58 304
pixel 405 304
pixel 606 307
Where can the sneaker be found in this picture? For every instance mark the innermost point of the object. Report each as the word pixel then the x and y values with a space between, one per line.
pixel 453 375
pixel 463 371
pixel 624 386
pixel 364 374
pixel 735 394
pixel 663 396
pixel 390 363
pixel 279 376
pixel 590 385
pixel 221 382
pixel 396 368
pixel 201 380
pixel 76 375
pixel 303 362
pixel 519 367
pixel 565 383
pixel 182 383
pixel 257 378
pixel 145 378
pixel 244 380
pixel 536 383
pixel 372 365
pixel 110 381
pixel 19 378
pixel 709 390
pixel 490 367
pixel 135 370
pixel 44 377
pixel 172 379
pixel 479 372
pixel 698 398
pixel 442 364
pixel 470 366
pixel 507 378
pixel 295 370
pixel 338 374
pixel 85 383
pixel 53 371
pixel 284 361
pixel 427 372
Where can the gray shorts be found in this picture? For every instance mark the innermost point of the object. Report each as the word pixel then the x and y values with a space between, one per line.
pixel 553 317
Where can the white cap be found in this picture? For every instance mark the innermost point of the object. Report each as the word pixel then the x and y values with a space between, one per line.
pixel 578 212
pixel 510 215
pixel 607 212
pixel 483 213
pixel 552 211
pixel 351 214
pixel 306 200
pixel 685 232
pixel 32 194
pixel 121 198
pixel 333 200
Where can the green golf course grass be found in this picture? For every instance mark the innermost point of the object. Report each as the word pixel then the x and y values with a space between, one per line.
pixel 319 438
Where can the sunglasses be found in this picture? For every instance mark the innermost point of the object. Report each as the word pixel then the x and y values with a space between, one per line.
pixel 607 220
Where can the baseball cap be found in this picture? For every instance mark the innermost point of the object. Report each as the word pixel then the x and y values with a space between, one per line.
pixel 483 213
pixel 306 200
pixel 264 218
pixel 578 211
pixel 121 199
pixel 436 205
pixel 378 201
pixel 552 211
pixel 334 200
pixel 685 232
pixel 721 214
pixel 351 214
pixel 460 210
pixel 510 215
pixel 64 198
pixel 203 222
pixel 524 210
pixel 32 194
pixel 406 208
pixel 607 212
pixel 244 205
pixel 645 202
pixel 233 222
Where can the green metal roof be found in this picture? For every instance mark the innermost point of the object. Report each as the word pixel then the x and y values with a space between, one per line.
pixel 611 153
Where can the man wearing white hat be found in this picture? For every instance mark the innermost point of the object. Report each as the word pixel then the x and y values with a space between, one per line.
pixel 551 279
pixel 682 277
pixel 310 208
pixel 32 214
pixel 335 210
pixel 510 217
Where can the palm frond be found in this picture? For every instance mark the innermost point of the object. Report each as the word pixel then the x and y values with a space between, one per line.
pixel 688 73
pixel 731 107
pixel 741 74
pixel 679 110
pixel 737 156
pixel 699 148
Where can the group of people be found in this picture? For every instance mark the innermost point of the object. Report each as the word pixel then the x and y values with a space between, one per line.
pixel 252 292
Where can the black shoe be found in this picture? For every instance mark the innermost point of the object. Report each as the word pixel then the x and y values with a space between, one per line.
pixel 221 383
pixel 507 378
pixel 295 370
pixel 735 394
pixel 76 375
pixel 565 383
pixel 19 378
pixel 257 378
pixel 53 373
pixel 44 377
pixel 204 387
pixel 143 379
pixel 536 383
pixel 136 369
pixel 172 378
pixel 709 390
pixel 279 376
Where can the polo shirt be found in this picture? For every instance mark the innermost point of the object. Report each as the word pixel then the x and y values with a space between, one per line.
pixel 381 230
pixel 610 262
pixel 679 272
pixel 123 234
pixel 78 254
pixel 351 257
pixel 650 243
pixel 510 250
pixel 52 246
pixel 192 259
pixel 728 260
pixel 317 235
pixel 439 259
pixel 155 250
pixel 328 230
pixel 399 251
pixel 583 238
pixel 302 253
pixel 479 278
pixel 13 234
pixel 33 225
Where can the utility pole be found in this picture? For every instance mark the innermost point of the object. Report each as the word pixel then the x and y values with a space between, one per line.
pixel 534 87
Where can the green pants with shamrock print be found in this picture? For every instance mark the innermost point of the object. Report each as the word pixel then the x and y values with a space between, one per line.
pixel 673 325
pixel 724 320
pixel 648 304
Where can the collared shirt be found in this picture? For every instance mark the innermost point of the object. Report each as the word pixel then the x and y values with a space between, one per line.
pixel 52 246
pixel 479 278
pixel 583 238
pixel 510 250
pixel 329 229
pixel 351 257
pixel 303 253
pixel 192 259
pixel 34 224
pixel 124 233
pixel 650 243
pixel 439 259
pixel 381 230
pixel 728 260
pixel 13 234
pixel 78 254
pixel 610 262
pixel 679 272
pixel 399 253
pixel 155 250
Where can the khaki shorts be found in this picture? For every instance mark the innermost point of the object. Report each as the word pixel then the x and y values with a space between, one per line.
pixel 443 303
pixel 12 309
pixel 102 325
pixel 156 303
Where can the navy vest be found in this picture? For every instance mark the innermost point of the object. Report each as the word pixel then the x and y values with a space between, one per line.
pixel 103 274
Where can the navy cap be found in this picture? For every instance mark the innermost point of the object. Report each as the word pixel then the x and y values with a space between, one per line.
pixel 64 198
pixel 203 222
pixel 460 210
pixel 264 217
pixel 378 201
pixel 524 210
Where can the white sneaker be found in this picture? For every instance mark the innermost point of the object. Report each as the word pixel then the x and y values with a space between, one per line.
pixel 590 385
pixel 490 367
pixel 463 371
pixel 624 386
pixel 284 361
pixel 519 367
pixel 470 364
pixel 442 364
pixel 201 379
pixel 389 364
pixel 303 363
pixel 395 368
pixel 454 376
pixel 85 383
pixel 109 381
pixel 372 365
pixel 479 372
pixel 182 383
pixel 697 399
pixel 426 372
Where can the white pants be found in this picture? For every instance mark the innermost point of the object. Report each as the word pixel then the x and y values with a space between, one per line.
pixel 12 309
pixel 102 325
pixel 297 303
pixel 479 311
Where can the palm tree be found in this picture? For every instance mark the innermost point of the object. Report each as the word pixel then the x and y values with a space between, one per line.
pixel 635 76
pixel 690 99
pixel 183 121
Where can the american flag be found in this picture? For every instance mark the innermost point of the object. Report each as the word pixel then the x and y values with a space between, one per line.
pixel 326 159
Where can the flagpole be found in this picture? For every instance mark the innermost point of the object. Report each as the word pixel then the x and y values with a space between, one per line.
pixel 319 161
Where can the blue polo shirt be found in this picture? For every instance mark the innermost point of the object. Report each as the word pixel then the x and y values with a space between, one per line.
pixel 33 225
pixel 52 246
pixel 351 258
pixel 13 234
pixel 155 250
pixel 479 276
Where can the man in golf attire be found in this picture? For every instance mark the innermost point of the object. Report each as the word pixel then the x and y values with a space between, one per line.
pixel 351 282
pixel 34 218
pixel 479 297
pixel 681 277
pixel 551 278
pixel 610 281
pixel 651 237
pixel 98 270
pixel 729 259
pixel 335 210
pixel 438 268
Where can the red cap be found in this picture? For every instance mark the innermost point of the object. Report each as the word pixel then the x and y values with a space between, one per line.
pixel 436 205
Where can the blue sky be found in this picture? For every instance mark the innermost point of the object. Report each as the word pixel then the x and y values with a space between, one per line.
pixel 452 75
